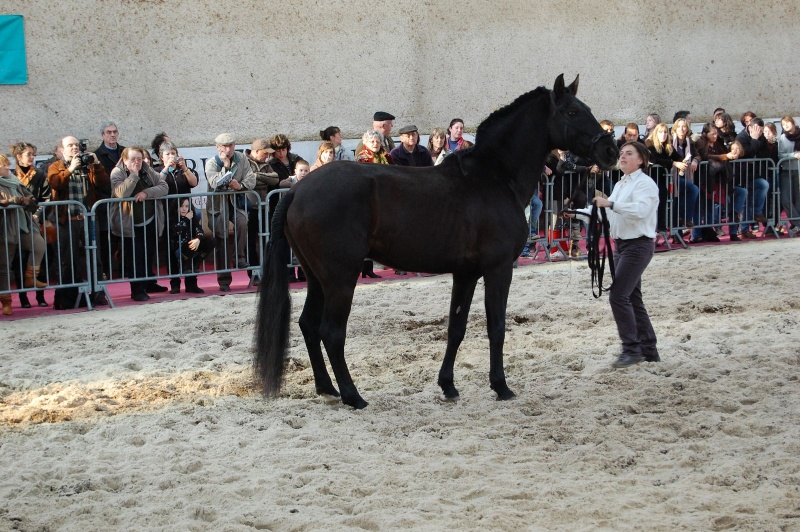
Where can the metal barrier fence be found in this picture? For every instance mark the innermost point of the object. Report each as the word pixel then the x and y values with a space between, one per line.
pixel 118 240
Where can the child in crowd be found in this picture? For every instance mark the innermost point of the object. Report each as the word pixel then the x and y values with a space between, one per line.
pixel 189 246
pixel 301 170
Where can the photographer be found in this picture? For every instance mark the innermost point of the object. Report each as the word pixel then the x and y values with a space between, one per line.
pixel 79 177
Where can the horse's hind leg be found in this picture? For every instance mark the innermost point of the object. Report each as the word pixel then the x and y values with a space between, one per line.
pixel 497 286
pixel 333 331
pixel 310 321
pixel 460 301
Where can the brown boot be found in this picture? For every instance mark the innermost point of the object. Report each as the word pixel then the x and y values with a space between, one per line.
pixel 6 301
pixel 30 280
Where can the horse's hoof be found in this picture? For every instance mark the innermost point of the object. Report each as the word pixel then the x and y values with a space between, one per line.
pixel 448 389
pixel 504 393
pixel 357 402
pixel 333 392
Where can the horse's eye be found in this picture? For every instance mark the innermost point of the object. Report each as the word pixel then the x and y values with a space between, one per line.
pixel 572 113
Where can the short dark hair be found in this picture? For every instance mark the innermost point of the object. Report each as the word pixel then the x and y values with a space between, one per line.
pixel 641 149
pixel 280 141
pixel 157 141
pixel 681 114
pixel 747 114
pixel 756 120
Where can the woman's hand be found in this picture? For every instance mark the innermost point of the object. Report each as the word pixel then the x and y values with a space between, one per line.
pixel 141 196
pixel 194 244
pixel 695 164
pixel 680 165
pixel 601 201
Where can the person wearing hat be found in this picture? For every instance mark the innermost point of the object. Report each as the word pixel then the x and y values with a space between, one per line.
pixel 383 123
pixel 410 153
pixel 232 207
pixel 267 180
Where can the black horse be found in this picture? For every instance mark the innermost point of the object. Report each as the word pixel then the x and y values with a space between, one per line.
pixel 465 217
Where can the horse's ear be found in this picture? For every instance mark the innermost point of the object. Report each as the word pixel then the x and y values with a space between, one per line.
pixel 558 88
pixel 573 88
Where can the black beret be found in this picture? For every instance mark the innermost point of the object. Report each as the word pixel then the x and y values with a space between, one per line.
pixel 380 116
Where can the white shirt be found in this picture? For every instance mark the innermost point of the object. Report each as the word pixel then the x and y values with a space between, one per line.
pixel 635 211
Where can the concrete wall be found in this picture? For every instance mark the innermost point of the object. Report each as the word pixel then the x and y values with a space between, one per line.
pixel 196 69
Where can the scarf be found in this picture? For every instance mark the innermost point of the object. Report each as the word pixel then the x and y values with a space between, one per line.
pixel 794 137
pixel 26 175
pixel 686 151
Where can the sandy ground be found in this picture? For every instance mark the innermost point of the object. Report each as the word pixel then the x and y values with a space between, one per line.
pixel 143 418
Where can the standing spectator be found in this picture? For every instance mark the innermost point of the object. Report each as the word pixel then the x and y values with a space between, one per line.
pixel 155 145
pixel 283 160
pixel 229 171
pixel 455 136
pixel 35 180
pixel 17 229
pixel 333 135
pixel 410 153
pixel 109 151
pixel 58 153
pixel 789 146
pixel 266 180
pixel 138 222
pixel 179 179
pixel 189 246
pixel 108 154
pixel 437 145
pixel 83 182
pixel 326 153
pixel 607 125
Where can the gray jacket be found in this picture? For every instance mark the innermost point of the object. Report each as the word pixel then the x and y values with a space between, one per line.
pixel 220 208
pixel 122 186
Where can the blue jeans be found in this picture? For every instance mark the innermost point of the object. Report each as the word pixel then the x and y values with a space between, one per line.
pixel 536 212
pixel 758 200
pixel 739 200
pixel 688 204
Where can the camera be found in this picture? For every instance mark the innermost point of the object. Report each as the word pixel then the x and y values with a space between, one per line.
pixel 86 159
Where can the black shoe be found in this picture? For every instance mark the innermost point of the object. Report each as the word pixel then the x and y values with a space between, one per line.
pixel 735 238
pixel 141 296
pixel 652 358
pixel 40 299
pixel 194 290
pixel 371 275
pixel 627 360
pixel 99 299
pixel 176 290
pixel 224 288
pixel 154 288
pixel 23 300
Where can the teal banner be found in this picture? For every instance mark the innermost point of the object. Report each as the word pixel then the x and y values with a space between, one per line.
pixel 13 66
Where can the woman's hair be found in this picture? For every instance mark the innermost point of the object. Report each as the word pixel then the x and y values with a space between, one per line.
pixel 655 117
pixel 675 125
pixel 436 132
pixel 126 153
pixel 4 160
pixel 165 147
pixel 453 122
pixel 771 127
pixel 707 127
pixel 656 142
pixel 641 149
pixel 329 132
pixel 280 141
pixel 158 140
pixel 371 134
pixel 20 147
pixel 788 118
pixel 727 122
pixel 739 145
pixel 745 116
pixel 323 147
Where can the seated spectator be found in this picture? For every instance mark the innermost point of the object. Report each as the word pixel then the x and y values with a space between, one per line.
pixel 35 180
pixel 229 171
pixel 333 135
pixel 189 246
pixel 771 136
pixel 789 146
pixel 727 130
pixel 662 153
pixel 326 153
pixel 382 122
pixel 746 118
pixel 754 175
pixel 631 134
pixel 17 229
pixel 712 178
pixel 607 125
pixel 82 180
pixel 410 153
pixel 301 170
pixel 437 145
pixel 739 194
pixel 283 160
pixel 139 222
pixel 455 136
pixel 650 123
pixel 373 151
pixel 688 208
pixel 267 180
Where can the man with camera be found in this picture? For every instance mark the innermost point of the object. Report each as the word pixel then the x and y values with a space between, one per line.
pixel 79 177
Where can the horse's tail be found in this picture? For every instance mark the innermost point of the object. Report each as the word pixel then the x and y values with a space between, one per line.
pixel 274 306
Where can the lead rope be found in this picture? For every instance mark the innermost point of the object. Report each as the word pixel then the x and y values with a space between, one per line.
pixel 597 260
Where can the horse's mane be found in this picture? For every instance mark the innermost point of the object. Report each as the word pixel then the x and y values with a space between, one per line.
pixel 499 115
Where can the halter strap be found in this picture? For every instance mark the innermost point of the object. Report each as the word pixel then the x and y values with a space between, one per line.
pixel 597 230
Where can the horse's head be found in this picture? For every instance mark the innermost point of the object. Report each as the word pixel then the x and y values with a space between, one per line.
pixel 574 128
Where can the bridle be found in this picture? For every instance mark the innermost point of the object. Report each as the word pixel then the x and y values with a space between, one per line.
pixel 597 230
pixel 569 123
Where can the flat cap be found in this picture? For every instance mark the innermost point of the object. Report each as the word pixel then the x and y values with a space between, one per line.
pixel 261 144
pixel 407 129
pixel 381 116
pixel 224 138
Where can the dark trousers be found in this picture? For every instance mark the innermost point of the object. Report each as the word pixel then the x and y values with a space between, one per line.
pixel 140 252
pixel 633 323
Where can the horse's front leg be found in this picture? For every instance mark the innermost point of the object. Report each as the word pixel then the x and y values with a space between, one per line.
pixel 333 331
pixel 497 286
pixel 460 301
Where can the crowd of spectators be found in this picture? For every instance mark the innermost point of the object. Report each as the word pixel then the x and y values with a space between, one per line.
pixel 130 231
